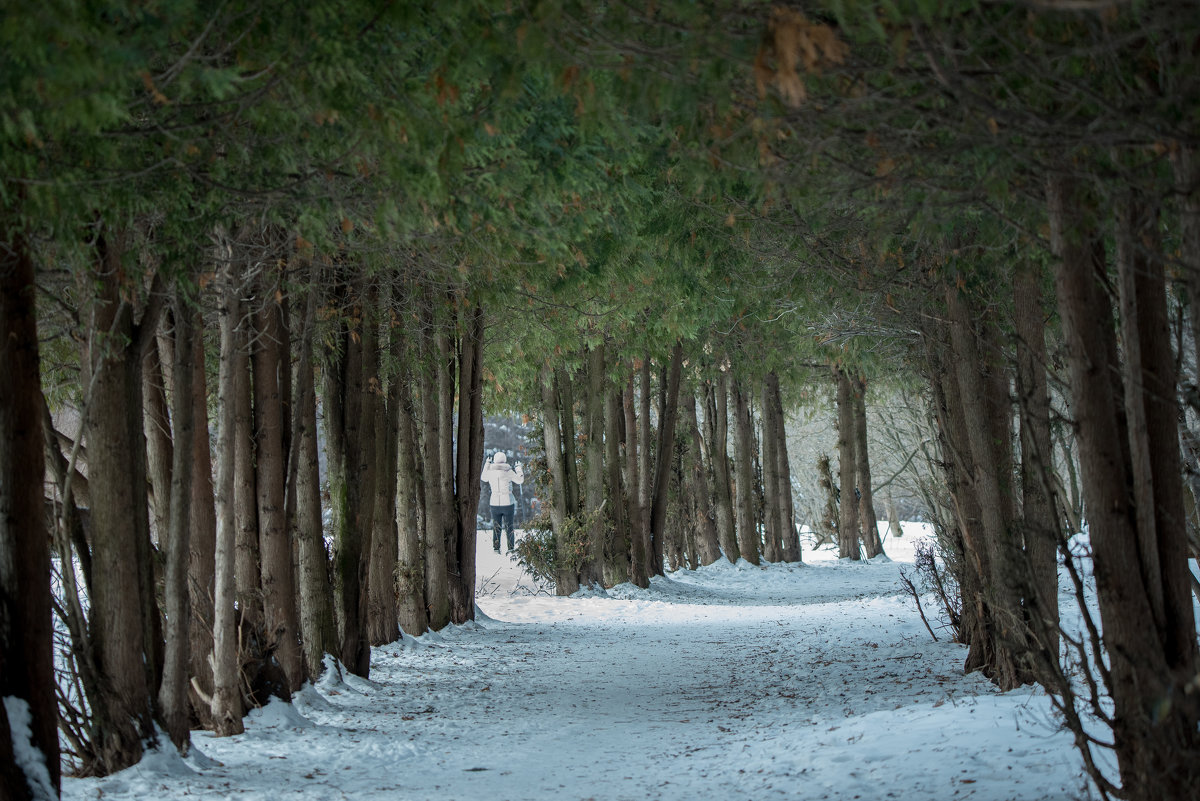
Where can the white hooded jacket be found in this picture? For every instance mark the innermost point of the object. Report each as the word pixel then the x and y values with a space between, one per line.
pixel 501 477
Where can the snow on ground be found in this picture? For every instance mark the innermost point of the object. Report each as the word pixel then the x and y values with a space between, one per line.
pixel 814 681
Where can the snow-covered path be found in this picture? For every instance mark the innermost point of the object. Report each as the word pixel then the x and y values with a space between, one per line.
pixel 732 682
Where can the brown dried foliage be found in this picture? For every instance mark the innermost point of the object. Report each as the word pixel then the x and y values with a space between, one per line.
pixel 792 41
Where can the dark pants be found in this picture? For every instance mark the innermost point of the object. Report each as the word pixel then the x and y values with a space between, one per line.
pixel 502 517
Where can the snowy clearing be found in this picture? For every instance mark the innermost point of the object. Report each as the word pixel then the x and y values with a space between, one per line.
pixel 731 682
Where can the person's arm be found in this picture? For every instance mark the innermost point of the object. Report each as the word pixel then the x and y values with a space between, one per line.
pixel 519 474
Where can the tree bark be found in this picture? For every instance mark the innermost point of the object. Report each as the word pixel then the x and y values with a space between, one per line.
pixel 318 635
pixel 566 580
pixel 410 569
pixel 638 568
pixel 617 551
pixel 783 473
pixel 645 484
pixel 718 408
pixel 124 616
pixel 173 692
pixel 1039 526
pixel 445 447
pixel 872 544
pixel 983 393
pixel 362 395
pixel 773 534
pixel 469 458
pixel 245 499
pixel 552 436
pixel 743 438
pixel 1187 180
pixel 565 387
pixel 664 456
pixel 973 561
pixel 26 655
pixel 708 548
pixel 280 617
pixel 1152 653
pixel 383 624
pixel 227 698
pixel 1152 409
pixel 593 457
pixel 203 537
pixel 848 530
pixel 159 446
pixel 830 526
pixel 437 591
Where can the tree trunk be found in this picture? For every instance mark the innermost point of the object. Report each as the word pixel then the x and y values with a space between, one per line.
pixel 173 692
pixel 829 530
pixel 718 407
pixel 159 447
pixel 26 655
pixel 638 567
pixel 663 458
pixel 123 611
pixel 245 499
pixel 318 635
pixel 743 442
pixel 872 544
pixel 1187 180
pixel 783 473
pixel 410 568
pixel 437 591
pixel 280 617
pixel 645 484
pixel 773 534
pixel 983 393
pixel 681 512
pixel 202 539
pixel 554 415
pixel 1152 409
pixel 1151 648
pixel 342 394
pixel 227 697
pixel 1039 526
pixel 974 565
pixel 552 436
pixel 617 552
pixel 469 463
pixel 708 548
pixel 848 531
pixel 565 388
pixel 593 457
pixel 383 625
pixel 355 645
pixel 445 447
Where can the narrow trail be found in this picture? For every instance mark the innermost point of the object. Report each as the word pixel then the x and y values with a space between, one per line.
pixel 632 711
pixel 735 694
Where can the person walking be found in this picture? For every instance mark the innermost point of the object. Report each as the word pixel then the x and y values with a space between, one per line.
pixel 500 476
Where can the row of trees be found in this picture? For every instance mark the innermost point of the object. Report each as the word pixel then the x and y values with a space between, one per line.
pixel 639 212
pixel 640 498
pixel 1004 196
pixel 235 217
pixel 211 292
pixel 1026 173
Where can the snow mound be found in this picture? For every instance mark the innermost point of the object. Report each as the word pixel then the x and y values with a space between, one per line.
pixel 278 714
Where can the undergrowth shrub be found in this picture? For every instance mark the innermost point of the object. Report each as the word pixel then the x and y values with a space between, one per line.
pixel 538 553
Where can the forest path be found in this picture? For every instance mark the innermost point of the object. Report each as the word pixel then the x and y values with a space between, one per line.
pixel 748 690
